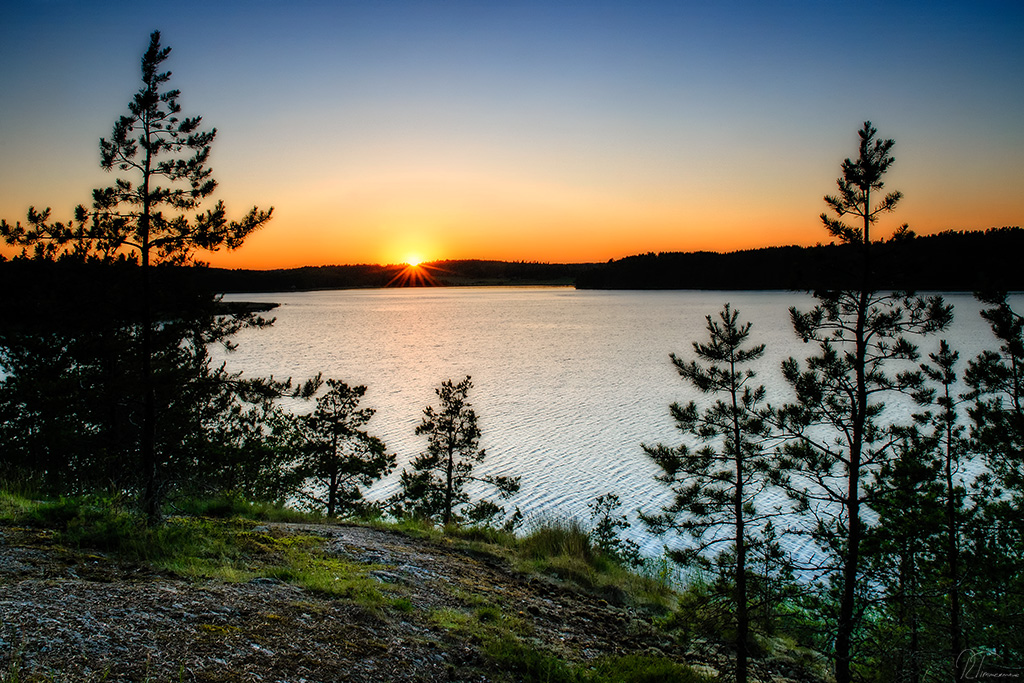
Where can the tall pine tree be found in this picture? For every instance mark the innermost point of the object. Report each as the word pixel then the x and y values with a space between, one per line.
pixel 152 212
pixel 838 437
pixel 715 486
pixel 997 418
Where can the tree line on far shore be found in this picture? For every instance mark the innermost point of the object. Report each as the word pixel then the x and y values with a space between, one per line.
pixel 108 387
pixel 950 261
pixel 465 273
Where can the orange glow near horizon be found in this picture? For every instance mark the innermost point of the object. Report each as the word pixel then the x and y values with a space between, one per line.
pixel 394 208
pixel 580 234
pixel 424 216
pixel 587 239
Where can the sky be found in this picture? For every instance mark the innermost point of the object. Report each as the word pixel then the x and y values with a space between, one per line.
pixel 388 131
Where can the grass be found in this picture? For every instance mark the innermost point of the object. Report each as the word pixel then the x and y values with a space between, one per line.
pixel 227 506
pixel 233 550
pixel 562 547
pixel 218 540
pixel 297 560
pixel 559 547
pixel 14 674
pixel 14 507
pixel 526 663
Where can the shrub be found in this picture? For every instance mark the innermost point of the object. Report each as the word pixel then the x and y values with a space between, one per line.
pixel 556 537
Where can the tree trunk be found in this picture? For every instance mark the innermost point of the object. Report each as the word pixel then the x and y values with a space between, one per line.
pixel 953 558
pixel 914 665
pixel 848 598
pixel 742 615
pixel 332 495
pixel 844 635
pixel 448 492
pixel 151 496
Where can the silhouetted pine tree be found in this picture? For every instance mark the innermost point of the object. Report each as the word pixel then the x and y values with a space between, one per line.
pixel 998 432
pixel 715 486
pixel 837 437
pixel 954 449
pixel 338 454
pixel 435 488
pixel 72 415
pixel 607 523
pixel 900 560
pixel 146 212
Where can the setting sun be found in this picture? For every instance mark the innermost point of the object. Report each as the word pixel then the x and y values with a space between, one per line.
pixel 413 273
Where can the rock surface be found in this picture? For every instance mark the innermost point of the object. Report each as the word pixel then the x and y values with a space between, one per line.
pixel 74 616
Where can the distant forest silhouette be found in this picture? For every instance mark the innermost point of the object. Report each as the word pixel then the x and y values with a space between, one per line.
pixel 949 261
pixel 49 279
pixel 436 273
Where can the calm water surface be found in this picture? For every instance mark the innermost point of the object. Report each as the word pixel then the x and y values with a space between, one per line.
pixel 567 383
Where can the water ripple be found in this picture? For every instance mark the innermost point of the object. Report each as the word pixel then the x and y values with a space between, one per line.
pixel 567 384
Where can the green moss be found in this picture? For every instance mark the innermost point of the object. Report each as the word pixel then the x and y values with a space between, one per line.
pixel 488 614
pixel 237 549
pixel 401 604
pixel 197 568
pixel 451 619
pixel 527 663
pixel 218 629
pixel 468 598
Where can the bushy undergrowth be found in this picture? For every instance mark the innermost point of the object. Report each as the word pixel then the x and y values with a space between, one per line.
pixel 563 547
pixel 228 505
pixel 14 506
pixel 100 523
pixel 552 537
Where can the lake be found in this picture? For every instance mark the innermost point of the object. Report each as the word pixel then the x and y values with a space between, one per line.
pixel 567 383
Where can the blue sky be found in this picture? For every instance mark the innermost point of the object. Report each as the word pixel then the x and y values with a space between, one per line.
pixel 546 131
